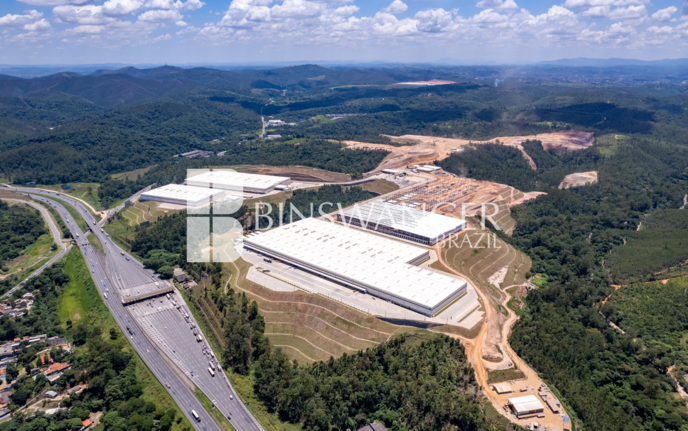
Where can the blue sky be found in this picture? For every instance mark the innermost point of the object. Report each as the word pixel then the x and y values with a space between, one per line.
pixel 241 31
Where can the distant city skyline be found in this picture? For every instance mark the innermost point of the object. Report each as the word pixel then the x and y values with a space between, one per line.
pixel 413 31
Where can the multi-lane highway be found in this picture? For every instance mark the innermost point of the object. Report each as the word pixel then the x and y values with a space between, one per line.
pixel 158 326
pixel 57 235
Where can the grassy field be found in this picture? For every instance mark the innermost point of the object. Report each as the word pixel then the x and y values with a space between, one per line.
pixel 499 376
pixel 380 187
pixel 32 256
pixel 80 302
pixel 120 231
pixel 131 175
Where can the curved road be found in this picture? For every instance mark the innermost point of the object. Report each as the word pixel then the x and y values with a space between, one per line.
pixel 57 234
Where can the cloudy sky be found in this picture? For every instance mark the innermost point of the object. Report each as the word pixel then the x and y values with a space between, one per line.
pixel 239 31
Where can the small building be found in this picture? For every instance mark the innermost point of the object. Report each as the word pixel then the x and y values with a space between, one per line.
pixel 553 404
pixel 56 340
pixel 428 168
pixel 50 394
pixel 274 136
pixel 86 424
pixel 391 171
pixel 195 153
pixel 276 123
pixel 502 388
pixel 56 368
pixel 526 406
pixel 76 388
pixel 181 278
pixel 375 426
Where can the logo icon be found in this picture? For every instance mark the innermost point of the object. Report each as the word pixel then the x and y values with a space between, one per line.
pixel 211 234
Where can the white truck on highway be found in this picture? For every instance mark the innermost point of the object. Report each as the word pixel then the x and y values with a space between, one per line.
pixel 199 338
pixel 212 373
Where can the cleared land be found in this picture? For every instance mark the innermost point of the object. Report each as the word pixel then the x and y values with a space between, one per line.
pixel 578 179
pixel 419 149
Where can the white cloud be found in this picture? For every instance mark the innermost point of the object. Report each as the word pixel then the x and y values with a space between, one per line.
pixel 488 16
pixel 660 30
pixel 664 14
pixel 56 2
pixel 180 23
pixel 597 12
pixel 497 4
pixel 41 25
pixel 593 3
pixel 20 20
pixel 346 10
pixel 171 4
pixel 628 13
pixel 84 15
pixel 155 16
pixel 121 8
pixel 88 29
pixel 433 20
pixel 397 6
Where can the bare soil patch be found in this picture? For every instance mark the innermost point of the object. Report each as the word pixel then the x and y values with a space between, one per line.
pixel 579 179
pixel 418 149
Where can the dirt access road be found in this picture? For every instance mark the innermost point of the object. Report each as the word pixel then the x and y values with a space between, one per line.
pixel 475 348
pixel 426 149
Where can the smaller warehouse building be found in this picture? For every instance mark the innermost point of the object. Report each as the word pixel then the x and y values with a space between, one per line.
pixel 428 168
pixel 237 181
pixel 526 406
pixel 404 222
pixel 179 194
pixel 502 388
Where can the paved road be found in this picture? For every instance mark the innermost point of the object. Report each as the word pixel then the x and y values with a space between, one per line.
pixel 119 276
pixel 57 234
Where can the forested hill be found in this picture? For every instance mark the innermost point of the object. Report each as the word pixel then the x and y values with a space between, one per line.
pixel 582 240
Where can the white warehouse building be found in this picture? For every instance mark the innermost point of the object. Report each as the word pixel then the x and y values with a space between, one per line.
pixel 370 263
pixel 402 221
pixel 237 181
pixel 180 194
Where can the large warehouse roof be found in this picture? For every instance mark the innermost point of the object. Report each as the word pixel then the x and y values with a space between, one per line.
pixel 365 260
pixel 403 218
pixel 526 404
pixel 237 181
pixel 182 195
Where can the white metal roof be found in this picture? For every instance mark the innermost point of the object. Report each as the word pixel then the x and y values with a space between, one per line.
pixel 238 181
pixel 404 218
pixel 183 193
pixel 526 404
pixel 366 258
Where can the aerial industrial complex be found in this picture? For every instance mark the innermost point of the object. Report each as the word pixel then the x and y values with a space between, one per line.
pixel 367 262
pixel 237 181
pixel 406 222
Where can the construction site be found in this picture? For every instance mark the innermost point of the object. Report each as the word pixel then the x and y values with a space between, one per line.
pixel 447 190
